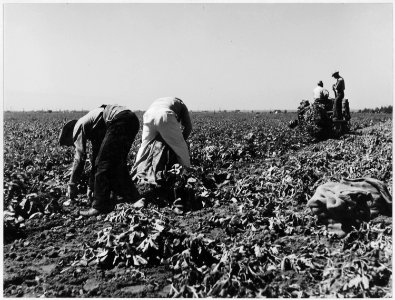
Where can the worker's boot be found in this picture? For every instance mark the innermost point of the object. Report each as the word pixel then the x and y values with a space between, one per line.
pixel 178 206
pixel 140 203
pixel 90 212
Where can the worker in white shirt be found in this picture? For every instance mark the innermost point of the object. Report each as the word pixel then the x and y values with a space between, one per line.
pixel 166 124
pixel 319 92
pixel 165 117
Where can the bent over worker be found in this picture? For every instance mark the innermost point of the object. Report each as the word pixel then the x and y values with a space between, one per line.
pixel 338 89
pixel 164 118
pixel 111 130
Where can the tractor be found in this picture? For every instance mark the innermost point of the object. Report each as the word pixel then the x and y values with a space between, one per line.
pixel 316 118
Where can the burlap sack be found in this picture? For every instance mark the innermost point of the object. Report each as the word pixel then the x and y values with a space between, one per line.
pixel 351 201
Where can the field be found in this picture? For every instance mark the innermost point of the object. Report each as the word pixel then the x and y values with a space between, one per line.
pixel 249 234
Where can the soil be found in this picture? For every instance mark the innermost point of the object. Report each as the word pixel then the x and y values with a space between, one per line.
pixel 40 263
pixel 39 260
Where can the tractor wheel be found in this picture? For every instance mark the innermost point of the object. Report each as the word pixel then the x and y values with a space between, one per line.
pixel 338 129
pixel 347 127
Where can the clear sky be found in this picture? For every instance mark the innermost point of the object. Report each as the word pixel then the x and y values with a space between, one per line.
pixel 213 56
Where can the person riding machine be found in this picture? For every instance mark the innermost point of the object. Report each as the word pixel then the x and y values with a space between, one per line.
pixel 324 117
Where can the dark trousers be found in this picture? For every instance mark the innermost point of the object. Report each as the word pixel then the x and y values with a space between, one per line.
pixel 337 106
pixel 111 172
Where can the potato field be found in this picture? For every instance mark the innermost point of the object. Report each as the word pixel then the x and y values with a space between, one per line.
pixel 247 231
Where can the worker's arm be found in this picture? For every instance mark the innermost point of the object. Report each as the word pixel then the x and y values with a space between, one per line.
pixel 186 122
pixel 79 156
pixel 334 89
pixel 96 144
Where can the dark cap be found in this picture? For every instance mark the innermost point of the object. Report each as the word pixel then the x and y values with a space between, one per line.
pixel 66 134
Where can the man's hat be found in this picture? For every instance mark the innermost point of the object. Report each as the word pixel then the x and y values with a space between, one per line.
pixel 335 72
pixel 66 134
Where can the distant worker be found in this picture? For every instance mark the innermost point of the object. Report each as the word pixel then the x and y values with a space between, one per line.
pixel 338 89
pixel 111 130
pixel 319 92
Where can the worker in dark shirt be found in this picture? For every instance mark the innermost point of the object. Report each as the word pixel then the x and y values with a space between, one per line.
pixel 111 130
pixel 338 89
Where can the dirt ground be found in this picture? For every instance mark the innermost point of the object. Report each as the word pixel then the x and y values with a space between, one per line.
pixel 39 263
pixel 251 236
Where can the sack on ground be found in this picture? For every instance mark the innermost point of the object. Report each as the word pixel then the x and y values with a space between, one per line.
pixel 351 201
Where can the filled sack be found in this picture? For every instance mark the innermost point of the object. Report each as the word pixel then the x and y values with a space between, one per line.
pixel 351 201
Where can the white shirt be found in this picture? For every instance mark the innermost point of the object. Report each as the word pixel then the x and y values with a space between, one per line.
pixel 178 107
pixel 317 92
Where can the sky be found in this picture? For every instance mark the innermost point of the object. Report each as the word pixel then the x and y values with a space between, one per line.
pixel 256 56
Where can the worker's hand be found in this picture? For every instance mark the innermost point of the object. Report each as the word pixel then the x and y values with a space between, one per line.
pixel 89 194
pixel 186 170
pixel 72 191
